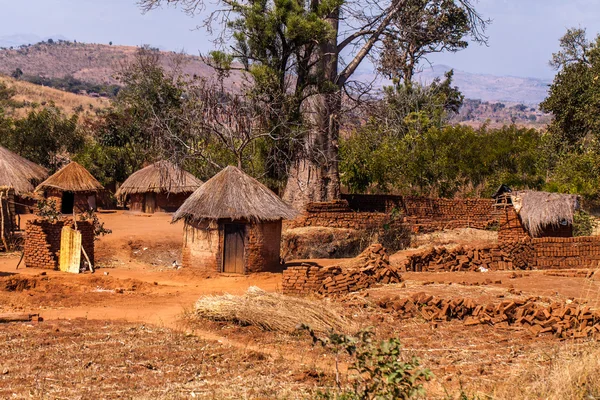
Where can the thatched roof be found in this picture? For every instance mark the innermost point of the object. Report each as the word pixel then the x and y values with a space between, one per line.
pixel 159 177
pixel 541 209
pixel 71 178
pixel 231 194
pixel 19 173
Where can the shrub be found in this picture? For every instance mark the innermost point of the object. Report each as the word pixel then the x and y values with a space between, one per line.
pixel 583 224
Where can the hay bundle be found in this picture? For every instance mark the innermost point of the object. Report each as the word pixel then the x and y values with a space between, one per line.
pixel 270 311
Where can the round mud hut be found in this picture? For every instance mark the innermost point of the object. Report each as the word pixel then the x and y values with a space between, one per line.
pixel 73 188
pixel 233 225
pixel 160 187
pixel 20 175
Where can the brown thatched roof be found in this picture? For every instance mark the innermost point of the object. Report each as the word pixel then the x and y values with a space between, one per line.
pixel 19 173
pixel 159 177
pixel 231 194
pixel 71 178
pixel 541 209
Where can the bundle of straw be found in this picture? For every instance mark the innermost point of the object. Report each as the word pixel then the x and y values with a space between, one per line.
pixel 271 312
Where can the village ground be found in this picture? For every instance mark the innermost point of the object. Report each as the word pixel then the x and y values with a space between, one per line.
pixel 126 330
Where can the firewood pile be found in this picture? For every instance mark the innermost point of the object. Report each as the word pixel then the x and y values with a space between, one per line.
pixel 572 320
pixel 371 267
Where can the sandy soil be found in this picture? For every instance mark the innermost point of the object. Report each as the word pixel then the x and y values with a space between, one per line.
pixel 135 285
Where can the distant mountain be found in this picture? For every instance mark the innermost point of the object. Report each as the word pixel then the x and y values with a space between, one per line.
pixel 530 91
pixel 9 41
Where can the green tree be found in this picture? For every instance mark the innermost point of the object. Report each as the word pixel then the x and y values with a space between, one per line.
pixel 321 32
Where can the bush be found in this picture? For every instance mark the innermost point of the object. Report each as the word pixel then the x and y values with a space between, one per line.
pixel 583 224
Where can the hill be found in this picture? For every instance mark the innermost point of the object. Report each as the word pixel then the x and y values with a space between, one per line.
pixel 94 63
pixel 29 96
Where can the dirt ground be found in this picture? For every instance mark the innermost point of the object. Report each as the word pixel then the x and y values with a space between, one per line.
pixel 121 332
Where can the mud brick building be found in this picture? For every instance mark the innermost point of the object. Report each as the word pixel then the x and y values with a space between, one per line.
pixel 72 188
pixel 233 225
pixel 160 187
pixel 42 242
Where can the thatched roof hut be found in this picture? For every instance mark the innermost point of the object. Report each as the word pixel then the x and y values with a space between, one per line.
pixel 19 173
pixel 233 224
pixel 71 178
pixel 233 195
pixel 541 210
pixel 160 177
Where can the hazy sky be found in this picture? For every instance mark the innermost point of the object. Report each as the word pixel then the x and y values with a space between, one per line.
pixel 523 35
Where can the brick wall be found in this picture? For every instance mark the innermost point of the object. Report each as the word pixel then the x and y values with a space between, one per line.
pixel 42 242
pixel 423 214
pixel 573 252
pixel 263 247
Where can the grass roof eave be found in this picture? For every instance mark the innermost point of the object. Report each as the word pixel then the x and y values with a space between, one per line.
pixel 160 177
pixel 19 173
pixel 72 178
pixel 538 210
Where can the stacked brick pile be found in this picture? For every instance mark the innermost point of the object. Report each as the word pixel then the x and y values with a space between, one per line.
pixel 372 267
pixel 573 252
pixel 337 214
pixel 563 320
pixel 441 259
pixel 42 242
pixel 430 214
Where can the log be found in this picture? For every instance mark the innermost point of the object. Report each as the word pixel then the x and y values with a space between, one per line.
pixel 11 317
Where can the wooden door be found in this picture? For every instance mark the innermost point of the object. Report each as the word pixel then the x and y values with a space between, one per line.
pixel 150 203
pixel 233 250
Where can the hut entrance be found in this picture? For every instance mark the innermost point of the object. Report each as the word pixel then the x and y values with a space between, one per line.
pixel 68 202
pixel 233 250
pixel 149 203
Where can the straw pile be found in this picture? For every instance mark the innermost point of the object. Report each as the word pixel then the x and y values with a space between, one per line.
pixel 231 194
pixel 541 209
pixel 270 312
pixel 160 177
pixel 71 178
pixel 19 173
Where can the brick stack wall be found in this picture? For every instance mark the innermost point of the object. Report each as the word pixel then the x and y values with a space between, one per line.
pixel 374 269
pixel 373 202
pixel 441 259
pixel 42 242
pixel 573 252
pixel 337 214
pixel 427 215
pixel 561 320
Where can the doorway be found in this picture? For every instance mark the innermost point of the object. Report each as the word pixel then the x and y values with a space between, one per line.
pixel 68 202
pixel 150 203
pixel 233 249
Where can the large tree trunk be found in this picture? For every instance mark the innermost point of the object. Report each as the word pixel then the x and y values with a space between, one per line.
pixel 314 174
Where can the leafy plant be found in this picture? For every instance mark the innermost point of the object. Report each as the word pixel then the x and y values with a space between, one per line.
pixel 583 223
pixel 47 210
pixel 377 370
pixel 99 229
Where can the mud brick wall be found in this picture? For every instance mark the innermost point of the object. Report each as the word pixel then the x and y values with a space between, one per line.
pixel 42 242
pixel 373 202
pixel 430 214
pixel 373 268
pixel 574 252
pixel 263 246
pixel 202 246
pixel 337 214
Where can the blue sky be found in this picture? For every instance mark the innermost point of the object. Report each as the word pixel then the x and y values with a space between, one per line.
pixel 523 35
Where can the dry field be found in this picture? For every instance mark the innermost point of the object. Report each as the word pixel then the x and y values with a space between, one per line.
pixel 32 94
pixel 127 332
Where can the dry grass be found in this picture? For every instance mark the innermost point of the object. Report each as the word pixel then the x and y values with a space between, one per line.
pixel 231 194
pixel 569 373
pixel 540 209
pixel 31 94
pixel 72 178
pixel 19 173
pixel 464 236
pixel 271 312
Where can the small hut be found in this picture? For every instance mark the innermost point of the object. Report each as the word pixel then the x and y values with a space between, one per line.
pixel 233 224
pixel 20 175
pixel 159 187
pixel 529 213
pixel 73 188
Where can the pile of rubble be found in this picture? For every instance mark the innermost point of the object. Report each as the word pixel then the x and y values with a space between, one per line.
pixel 371 267
pixel 564 320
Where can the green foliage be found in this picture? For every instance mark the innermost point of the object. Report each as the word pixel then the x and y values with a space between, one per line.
pixel 47 210
pixel 44 136
pixel 583 224
pixel 377 369
pixel 99 228
pixel 577 173
pixel 447 161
